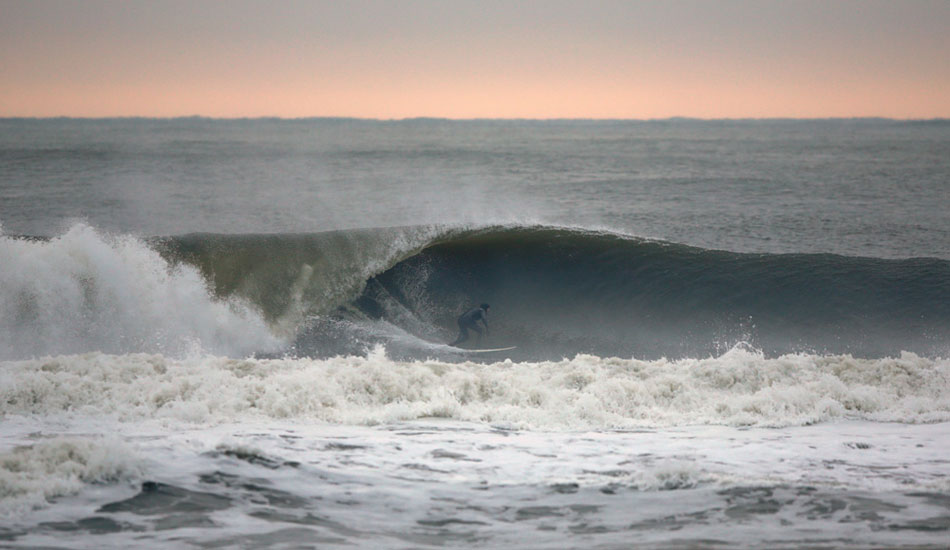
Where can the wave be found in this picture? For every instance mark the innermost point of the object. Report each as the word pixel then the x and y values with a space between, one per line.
pixel 561 291
pixel 741 387
pixel 555 292
pixel 86 291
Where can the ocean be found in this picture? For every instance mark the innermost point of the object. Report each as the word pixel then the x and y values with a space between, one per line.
pixel 232 333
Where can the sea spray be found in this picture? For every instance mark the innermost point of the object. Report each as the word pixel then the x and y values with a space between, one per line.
pixel 88 291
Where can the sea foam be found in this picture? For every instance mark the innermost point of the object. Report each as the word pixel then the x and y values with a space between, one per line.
pixel 30 475
pixel 739 388
pixel 86 291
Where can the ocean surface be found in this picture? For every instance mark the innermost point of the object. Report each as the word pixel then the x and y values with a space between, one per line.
pixel 232 334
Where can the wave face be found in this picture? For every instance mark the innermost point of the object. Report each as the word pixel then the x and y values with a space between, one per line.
pixel 560 291
pixel 555 292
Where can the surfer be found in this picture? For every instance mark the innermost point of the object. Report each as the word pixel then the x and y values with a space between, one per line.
pixel 468 321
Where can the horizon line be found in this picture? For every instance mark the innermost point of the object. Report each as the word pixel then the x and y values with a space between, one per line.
pixel 477 119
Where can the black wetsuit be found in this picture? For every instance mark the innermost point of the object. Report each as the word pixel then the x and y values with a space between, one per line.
pixel 468 321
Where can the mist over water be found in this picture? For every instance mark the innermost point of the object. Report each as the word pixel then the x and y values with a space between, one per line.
pixel 230 333
pixel 654 238
pixel 870 188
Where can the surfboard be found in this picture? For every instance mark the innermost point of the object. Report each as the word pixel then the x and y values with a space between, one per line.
pixel 485 350
pixel 455 349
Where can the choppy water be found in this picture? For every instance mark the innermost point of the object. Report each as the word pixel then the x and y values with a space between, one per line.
pixel 231 334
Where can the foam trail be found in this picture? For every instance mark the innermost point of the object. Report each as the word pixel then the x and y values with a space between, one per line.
pixel 740 388
pixel 85 291
pixel 32 474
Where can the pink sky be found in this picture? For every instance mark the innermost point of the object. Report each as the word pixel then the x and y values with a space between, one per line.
pixel 467 59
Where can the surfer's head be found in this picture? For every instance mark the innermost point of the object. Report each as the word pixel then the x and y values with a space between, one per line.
pixel 485 306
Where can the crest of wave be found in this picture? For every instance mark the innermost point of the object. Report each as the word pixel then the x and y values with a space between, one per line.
pixel 85 291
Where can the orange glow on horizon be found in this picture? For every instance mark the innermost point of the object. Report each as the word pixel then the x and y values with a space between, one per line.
pixel 453 59
pixel 463 100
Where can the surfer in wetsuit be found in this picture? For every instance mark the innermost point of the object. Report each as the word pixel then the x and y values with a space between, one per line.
pixel 468 321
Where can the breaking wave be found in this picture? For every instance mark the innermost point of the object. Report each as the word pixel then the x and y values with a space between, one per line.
pixel 556 292
pixel 741 387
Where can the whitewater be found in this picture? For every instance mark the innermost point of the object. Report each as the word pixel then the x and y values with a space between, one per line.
pixel 231 334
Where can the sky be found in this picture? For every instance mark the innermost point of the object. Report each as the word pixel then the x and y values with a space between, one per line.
pixel 475 58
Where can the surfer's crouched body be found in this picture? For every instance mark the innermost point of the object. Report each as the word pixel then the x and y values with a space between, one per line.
pixel 468 321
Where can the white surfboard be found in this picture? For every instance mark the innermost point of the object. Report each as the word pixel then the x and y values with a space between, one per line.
pixel 463 350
